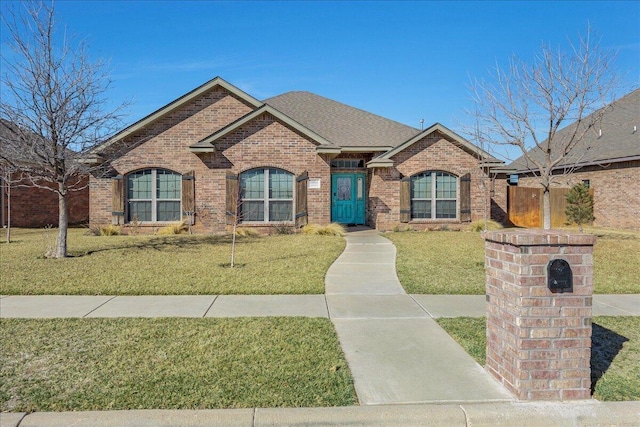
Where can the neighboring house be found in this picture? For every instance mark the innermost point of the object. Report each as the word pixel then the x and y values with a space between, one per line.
pixel 607 160
pixel 293 159
pixel 33 206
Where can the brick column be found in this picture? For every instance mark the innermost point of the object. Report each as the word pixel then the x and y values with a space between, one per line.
pixel 539 341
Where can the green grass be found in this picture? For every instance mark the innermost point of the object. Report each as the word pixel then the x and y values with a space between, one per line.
pixel 615 355
pixel 167 265
pixel 103 364
pixel 440 262
pixel 447 262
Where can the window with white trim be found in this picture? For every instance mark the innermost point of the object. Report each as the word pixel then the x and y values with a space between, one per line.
pixel 434 195
pixel 266 195
pixel 154 195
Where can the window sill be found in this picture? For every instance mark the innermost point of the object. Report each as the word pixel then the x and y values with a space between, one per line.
pixel 266 224
pixel 435 220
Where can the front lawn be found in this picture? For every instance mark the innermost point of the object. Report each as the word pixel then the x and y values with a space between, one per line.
pixel 615 353
pixel 108 364
pixel 167 265
pixel 449 262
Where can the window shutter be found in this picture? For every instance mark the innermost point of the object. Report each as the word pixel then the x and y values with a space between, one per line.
pixel 117 200
pixel 405 199
pixel 232 198
pixel 188 197
pixel 301 199
pixel 465 198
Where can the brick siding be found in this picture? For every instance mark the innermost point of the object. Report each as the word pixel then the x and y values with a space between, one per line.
pixel 34 207
pixel 539 342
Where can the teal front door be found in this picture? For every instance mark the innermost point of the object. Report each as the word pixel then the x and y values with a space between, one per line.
pixel 347 198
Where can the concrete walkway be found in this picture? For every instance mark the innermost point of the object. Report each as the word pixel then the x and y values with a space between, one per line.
pixel 396 352
pixel 49 306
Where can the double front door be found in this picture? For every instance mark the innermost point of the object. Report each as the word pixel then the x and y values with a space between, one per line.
pixel 348 198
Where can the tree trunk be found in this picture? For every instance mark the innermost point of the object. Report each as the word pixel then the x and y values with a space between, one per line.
pixel 8 181
pixel 546 208
pixel 61 242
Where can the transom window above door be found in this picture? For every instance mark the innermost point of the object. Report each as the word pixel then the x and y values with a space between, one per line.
pixel 433 195
pixel 266 195
pixel 347 163
pixel 154 195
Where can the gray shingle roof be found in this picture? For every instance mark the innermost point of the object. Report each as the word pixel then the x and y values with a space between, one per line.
pixel 341 124
pixel 618 141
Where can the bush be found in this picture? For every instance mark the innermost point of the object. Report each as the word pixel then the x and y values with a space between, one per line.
pixel 333 229
pixel 282 228
pixel 177 228
pixel 247 232
pixel 479 225
pixel 104 230
pixel 579 205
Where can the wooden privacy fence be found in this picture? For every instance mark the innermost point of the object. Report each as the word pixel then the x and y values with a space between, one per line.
pixel 524 205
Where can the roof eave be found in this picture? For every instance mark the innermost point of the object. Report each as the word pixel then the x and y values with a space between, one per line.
pixel 201 149
pixel 323 149
pixel 585 164
pixel 380 163
pixel 91 160
pixel 366 149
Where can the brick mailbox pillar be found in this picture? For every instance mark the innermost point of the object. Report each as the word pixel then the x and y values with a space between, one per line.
pixel 539 312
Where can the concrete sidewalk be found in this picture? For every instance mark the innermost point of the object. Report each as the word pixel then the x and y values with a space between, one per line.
pixel 51 306
pixel 541 414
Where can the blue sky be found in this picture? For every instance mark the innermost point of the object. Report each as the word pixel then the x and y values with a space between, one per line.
pixel 403 60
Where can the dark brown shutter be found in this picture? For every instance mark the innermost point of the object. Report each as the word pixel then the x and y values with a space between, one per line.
pixel 465 198
pixel 232 198
pixel 117 200
pixel 188 197
pixel 301 199
pixel 405 199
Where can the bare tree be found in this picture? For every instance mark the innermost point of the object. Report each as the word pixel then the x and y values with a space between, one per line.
pixel 526 105
pixel 54 96
pixel 7 180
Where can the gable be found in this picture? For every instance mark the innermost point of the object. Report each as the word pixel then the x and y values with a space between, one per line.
pixel 208 144
pixel 436 132
pixel 205 109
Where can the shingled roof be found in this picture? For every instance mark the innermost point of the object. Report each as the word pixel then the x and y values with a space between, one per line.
pixel 615 139
pixel 341 124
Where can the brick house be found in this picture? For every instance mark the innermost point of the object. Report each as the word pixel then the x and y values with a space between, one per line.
pixel 32 205
pixel 292 159
pixel 607 160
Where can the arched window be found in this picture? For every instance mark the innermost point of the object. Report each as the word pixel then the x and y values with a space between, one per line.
pixel 433 195
pixel 154 195
pixel 266 195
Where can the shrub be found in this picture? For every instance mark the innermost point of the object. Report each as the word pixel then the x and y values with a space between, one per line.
pixel 177 228
pixel 247 232
pixel 282 228
pixel 104 230
pixel 479 225
pixel 579 205
pixel 311 229
pixel 333 229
